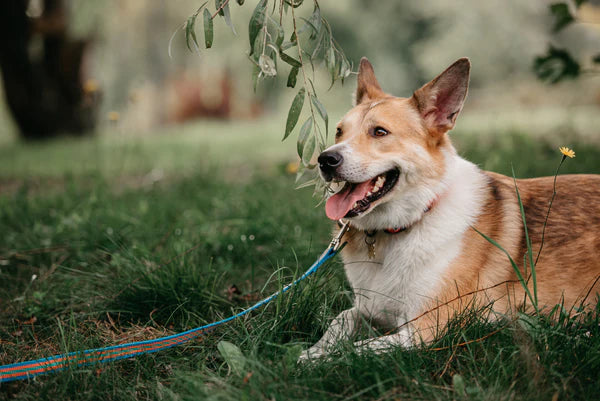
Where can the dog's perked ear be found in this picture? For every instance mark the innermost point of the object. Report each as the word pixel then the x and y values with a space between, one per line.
pixel 368 88
pixel 440 100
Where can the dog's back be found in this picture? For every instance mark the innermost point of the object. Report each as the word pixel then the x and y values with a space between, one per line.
pixel 568 245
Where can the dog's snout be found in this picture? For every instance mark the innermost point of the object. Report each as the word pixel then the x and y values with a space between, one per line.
pixel 329 161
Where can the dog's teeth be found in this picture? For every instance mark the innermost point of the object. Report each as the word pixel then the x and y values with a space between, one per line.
pixel 371 193
pixel 378 185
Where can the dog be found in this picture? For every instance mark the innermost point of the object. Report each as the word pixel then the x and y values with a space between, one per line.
pixel 419 214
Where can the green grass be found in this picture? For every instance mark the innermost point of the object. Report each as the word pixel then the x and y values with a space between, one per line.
pixel 122 254
pixel 175 150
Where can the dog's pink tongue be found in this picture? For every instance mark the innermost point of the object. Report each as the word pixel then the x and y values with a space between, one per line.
pixel 339 204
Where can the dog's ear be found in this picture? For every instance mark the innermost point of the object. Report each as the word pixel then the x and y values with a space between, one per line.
pixel 368 88
pixel 440 100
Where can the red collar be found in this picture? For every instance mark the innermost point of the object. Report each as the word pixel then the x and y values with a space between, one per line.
pixel 396 230
pixel 370 235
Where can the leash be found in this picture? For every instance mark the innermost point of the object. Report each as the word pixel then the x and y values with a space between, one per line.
pixel 29 369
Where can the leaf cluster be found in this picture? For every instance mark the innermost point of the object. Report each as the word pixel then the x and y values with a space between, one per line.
pixel 558 64
pixel 310 44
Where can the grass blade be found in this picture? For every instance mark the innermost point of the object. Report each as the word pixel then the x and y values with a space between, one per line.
pixel 513 264
pixel 527 240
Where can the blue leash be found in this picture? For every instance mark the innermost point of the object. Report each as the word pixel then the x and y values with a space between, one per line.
pixel 29 369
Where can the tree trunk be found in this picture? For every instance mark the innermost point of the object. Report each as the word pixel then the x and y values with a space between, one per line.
pixel 41 71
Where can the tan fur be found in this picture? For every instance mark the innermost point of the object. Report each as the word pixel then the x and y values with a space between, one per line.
pixel 403 122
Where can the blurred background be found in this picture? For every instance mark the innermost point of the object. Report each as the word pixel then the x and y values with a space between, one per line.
pixel 116 84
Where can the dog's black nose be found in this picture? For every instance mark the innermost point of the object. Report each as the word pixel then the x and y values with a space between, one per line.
pixel 329 161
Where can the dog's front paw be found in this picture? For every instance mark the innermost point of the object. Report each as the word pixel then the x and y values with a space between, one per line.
pixel 311 354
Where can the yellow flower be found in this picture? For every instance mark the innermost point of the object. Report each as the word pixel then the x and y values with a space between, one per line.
pixel 567 152
pixel 90 86
pixel 291 168
pixel 114 116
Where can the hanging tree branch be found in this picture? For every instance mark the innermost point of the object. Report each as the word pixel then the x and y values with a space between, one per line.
pixel 267 46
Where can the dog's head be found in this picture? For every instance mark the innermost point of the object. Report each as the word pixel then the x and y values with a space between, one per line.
pixel 391 153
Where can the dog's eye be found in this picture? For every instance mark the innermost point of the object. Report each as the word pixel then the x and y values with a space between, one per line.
pixel 338 132
pixel 378 131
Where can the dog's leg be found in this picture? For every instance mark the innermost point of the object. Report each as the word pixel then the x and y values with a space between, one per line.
pixel 342 327
pixel 403 338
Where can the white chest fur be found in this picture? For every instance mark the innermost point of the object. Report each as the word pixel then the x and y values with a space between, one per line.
pixel 392 288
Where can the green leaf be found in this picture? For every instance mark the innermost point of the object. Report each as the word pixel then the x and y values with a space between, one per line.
pixel 320 44
pixel 314 22
pixel 208 29
pixel 290 60
pixel 556 65
pixel 276 31
pixel 257 22
pixel 294 113
pixel 529 324
pixel 316 19
pixel 291 356
pixel 304 134
pixel 227 17
pixel 255 76
pixel 578 3
pixel 294 38
pixel 291 81
pixel 190 32
pixel 459 384
pixel 294 3
pixel 300 174
pixel 330 61
pixel 233 357
pixel 259 44
pixel 267 65
pixel 306 177
pixel 218 4
pixel 345 69
pixel 562 16
pixel 322 112
pixel 287 45
pixel 308 183
pixel 309 149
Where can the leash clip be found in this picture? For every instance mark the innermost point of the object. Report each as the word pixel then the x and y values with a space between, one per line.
pixel 337 240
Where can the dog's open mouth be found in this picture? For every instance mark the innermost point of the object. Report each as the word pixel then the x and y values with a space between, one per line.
pixel 356 198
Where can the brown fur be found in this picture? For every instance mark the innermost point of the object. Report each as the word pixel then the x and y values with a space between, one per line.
pixel 568 269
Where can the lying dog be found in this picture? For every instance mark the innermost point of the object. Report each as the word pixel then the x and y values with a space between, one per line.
pixel 414 206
